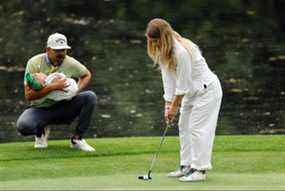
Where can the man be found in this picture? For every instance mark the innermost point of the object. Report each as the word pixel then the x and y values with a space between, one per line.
pixel 44 111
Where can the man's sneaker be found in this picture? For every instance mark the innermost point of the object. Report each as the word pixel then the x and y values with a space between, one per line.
pixel 194 176
pixel 182 171
pixel 42 142
pixel 81 145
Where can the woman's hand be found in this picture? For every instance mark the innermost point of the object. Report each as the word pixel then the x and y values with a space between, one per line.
pixel 171 108
pixel 170 111
pixel 167 107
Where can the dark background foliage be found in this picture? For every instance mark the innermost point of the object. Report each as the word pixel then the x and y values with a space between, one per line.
pixel 243 42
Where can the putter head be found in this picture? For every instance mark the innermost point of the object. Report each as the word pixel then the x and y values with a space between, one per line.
pixel 144 177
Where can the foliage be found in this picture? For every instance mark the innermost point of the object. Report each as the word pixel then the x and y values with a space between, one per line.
pixel 235 36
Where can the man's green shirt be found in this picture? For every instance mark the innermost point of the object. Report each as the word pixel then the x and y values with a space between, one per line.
pixel 40 63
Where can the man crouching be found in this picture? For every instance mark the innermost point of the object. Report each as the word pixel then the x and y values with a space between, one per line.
pixel 45 111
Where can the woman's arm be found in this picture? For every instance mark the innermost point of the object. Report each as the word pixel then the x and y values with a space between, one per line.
pixel 183 81
pixel 169 83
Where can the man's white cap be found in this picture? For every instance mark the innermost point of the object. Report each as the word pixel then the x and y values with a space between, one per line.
pixel 57 41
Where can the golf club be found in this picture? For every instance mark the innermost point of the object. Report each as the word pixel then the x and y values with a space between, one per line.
pixel 148 175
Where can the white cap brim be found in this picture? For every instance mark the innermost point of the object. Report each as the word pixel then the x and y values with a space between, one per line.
pixel 60 47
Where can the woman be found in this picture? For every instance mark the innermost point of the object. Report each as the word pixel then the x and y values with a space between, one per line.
pixel 187 81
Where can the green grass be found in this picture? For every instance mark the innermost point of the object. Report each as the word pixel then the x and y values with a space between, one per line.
pixel 240 162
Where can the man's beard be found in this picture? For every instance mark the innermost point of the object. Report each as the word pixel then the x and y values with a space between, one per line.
pixel 59 60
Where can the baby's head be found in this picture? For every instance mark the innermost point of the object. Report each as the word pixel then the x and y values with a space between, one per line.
pixel 36 81
pixel 40 77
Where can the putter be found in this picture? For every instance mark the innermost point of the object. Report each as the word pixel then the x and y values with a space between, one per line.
pixel 148 175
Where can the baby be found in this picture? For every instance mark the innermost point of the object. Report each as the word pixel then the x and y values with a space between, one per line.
pixel 37 81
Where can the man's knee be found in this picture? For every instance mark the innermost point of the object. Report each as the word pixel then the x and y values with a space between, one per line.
pixel 23 127
pixel 90 97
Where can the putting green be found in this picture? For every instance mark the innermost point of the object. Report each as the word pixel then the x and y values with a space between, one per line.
pixel 215 181
pixel 240 163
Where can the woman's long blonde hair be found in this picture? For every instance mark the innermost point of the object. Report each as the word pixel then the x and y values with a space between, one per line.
pixel 160 37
